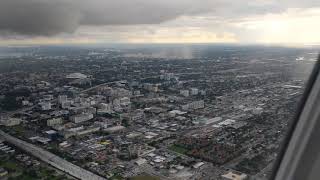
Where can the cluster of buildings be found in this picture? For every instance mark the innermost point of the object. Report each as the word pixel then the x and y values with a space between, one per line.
pixel 182 119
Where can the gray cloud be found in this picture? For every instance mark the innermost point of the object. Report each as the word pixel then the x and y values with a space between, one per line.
pixel 52 17
pixel 29 17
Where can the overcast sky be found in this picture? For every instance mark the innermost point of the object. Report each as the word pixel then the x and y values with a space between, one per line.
pixel 160 21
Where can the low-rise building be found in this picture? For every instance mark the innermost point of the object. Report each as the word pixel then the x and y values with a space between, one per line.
pixel 88 131
pixel 54 121
pixel 78 118
pixel 45 106
pixel 104 108
pixel 125 101
pixel 193 105
pixel 194 91
pixel 115 129
pixel 11 121
pixel 184 93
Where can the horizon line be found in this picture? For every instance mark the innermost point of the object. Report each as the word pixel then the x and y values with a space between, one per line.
pixel 162 43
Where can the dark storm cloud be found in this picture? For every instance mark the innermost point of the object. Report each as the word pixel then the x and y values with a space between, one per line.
pixel 124 12
pixel 29 17
pixel 51 17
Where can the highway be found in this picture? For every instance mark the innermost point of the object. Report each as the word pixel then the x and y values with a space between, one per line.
pixel 51 159
pixel 48 157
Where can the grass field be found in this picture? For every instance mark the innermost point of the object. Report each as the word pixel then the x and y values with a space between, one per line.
pixel 178 149
pixel 144 177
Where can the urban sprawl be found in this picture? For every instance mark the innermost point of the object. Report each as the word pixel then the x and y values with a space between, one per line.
pixel 124 113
